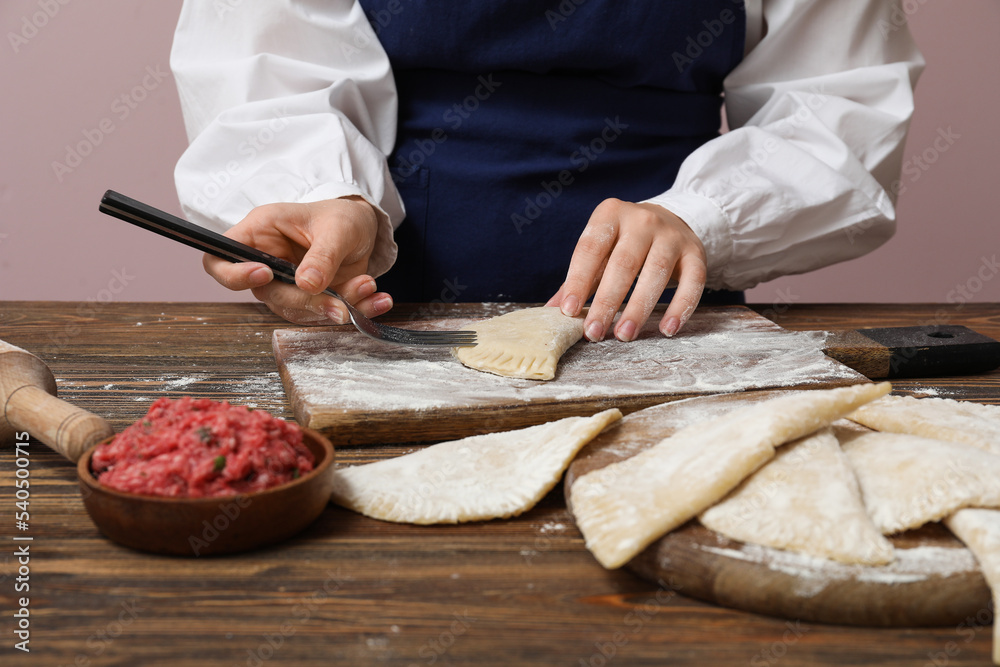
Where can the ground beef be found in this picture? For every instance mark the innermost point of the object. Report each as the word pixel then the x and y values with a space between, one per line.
pixel 197 448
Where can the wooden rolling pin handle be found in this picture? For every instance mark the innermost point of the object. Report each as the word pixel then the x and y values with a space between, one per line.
pixel 64 427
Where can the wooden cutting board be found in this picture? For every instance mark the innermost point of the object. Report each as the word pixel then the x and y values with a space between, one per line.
pixel 934 581
pixel 357 390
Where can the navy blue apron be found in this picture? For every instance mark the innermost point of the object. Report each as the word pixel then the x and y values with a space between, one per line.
pixel 517 118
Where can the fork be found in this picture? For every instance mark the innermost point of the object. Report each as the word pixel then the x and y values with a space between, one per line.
pixel 182 231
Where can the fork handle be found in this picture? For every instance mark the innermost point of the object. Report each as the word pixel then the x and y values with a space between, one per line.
pixel 182 231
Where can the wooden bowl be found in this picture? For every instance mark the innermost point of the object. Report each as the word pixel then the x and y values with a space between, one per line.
pixel 210 526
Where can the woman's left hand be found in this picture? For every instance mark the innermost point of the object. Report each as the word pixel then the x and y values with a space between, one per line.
pixel 623 241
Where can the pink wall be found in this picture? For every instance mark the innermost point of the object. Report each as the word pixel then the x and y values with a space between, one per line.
pixel 64 84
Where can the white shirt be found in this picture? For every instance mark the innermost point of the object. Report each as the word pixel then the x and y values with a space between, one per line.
pixel 295 101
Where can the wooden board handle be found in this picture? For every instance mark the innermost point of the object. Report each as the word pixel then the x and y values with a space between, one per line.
pixel 64 427
pixel 914 352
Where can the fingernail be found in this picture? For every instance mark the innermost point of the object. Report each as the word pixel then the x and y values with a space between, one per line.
pixel 671 327
pixel 382 304
pixel 261 276
pixel 595 331
pixel 312 278
pixel 571 307
pixel 337 314
pixel 366 289
pixel 626 331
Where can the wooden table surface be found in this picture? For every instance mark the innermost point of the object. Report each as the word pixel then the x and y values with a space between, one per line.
pixel 354 591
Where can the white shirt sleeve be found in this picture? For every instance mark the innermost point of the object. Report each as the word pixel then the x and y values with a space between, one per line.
pixel 284 101
pixel 819 110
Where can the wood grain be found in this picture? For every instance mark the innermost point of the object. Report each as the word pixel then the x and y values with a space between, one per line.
pixel 353 591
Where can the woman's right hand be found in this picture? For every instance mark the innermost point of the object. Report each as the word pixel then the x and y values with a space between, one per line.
pixel 330 240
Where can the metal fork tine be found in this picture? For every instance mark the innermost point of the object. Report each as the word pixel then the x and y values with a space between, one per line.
pixel 399 336
pixel 391 334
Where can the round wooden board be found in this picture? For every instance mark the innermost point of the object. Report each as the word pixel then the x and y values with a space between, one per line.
pixel 935 580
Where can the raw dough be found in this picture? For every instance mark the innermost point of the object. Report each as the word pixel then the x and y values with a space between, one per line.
pixel 980 530
pixel 482 477
pixel 805 499
pixel 940 418
pixel 907 481
pixel 622 508
pixel 523 344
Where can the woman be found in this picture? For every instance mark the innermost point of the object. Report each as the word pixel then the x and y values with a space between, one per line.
pixel 520 136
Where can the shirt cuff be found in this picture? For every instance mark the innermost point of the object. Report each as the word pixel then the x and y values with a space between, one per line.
pixel 709 223
pixel 385 250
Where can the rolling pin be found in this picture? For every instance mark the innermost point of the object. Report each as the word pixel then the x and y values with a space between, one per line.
pixel 28 398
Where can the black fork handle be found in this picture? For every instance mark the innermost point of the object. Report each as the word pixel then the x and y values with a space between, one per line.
pixel 182 231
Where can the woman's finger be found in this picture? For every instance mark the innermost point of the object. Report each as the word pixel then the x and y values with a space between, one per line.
pixel 691 275
pixel 281 296
pixel 638 230
pixel 341 236
pixel 649 288
pixel 239 275
pixel 591 252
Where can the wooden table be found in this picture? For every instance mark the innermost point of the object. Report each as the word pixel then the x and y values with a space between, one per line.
pixel 354 591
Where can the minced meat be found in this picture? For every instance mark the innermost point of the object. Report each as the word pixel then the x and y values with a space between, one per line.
pixel 199 448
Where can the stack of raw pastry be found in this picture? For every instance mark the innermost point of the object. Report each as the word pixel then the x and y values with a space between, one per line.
pixel 832 490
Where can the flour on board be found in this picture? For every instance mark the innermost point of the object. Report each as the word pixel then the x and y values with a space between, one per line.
pixel 813 575
pixel 714 353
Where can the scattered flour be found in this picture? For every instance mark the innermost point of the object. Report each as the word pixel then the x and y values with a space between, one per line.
pixel 714 353
pixel 552 527
pixel 813 575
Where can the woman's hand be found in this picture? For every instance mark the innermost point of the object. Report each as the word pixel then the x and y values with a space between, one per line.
pixel 330 241
pixel 623 241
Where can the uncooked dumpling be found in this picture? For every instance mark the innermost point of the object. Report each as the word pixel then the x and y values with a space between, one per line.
pixel 473 479
pixel 622 508
pixel 939 418
pixel 523 344
pixel 805 499
pixel 907 481
pixel 979 529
